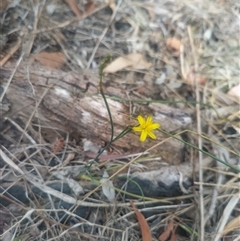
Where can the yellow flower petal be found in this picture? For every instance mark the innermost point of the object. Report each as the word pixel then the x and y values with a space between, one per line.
pixel 141 120
pixel 153 126
pixel 146 127
pixel 149 120
pixel 137 128
pixel 152 135
pixel 143 135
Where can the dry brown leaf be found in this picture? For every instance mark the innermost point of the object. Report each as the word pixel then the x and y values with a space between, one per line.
pixel 74 7
pixel 58 145
pixel 191 79
pixel 52 60
pixel 89 7
pixel 174 44
pixel 232 225
pixel 202 80
pixel 146 234
pixel 235 91
pixel 166 234
pixel 3 6
pixel 133 60
pixel 174 236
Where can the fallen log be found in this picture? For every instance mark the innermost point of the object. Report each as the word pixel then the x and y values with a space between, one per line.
pixel 71 102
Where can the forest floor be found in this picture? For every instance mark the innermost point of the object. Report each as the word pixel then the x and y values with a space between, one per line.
pixel 178 61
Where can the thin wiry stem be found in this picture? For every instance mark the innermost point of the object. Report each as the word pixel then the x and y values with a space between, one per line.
pixel 200 150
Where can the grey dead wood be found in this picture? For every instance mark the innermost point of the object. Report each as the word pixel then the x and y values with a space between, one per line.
pixel 71 102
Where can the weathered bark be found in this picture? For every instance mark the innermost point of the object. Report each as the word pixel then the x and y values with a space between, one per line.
pixel 71 102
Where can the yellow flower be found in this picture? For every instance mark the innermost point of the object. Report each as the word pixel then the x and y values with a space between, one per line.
pixel 146 127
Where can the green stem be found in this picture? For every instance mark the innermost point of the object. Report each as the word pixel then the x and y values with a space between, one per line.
pixel 103 65
pixel 196 148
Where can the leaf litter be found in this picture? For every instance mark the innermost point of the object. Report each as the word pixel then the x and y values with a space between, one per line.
pixel 134 60
pixel 146 233
pixel 167 232
pixel 146 39
pixel 51 60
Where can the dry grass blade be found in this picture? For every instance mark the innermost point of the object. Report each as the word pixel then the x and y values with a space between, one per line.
pixel 10 162
pixel 102 35
pixel 199 131
pixel 225 216
pixel 10 79
pixel 182 53
pixel 37 9
pixel 111 4
pixel 11 52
